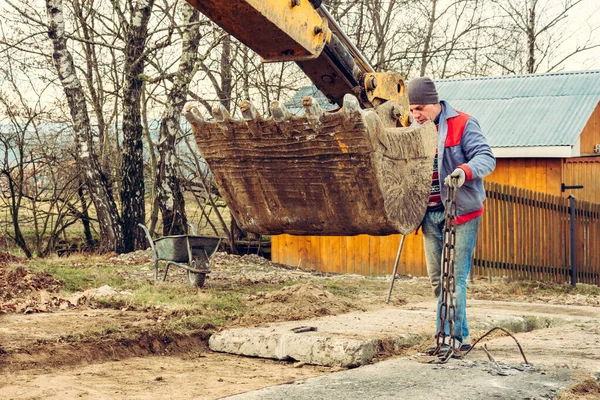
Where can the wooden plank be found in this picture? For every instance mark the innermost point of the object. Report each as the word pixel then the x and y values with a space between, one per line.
pixel 560 249
pixel 549 234
pixel 521 225
pixel 554 176
pixel 510 215
pixel 545 248
pixel 391 249
pixel 541 175
pixel 285 254
pixel 529 178
pixel 595 238
pixel 502 232
pixel 419 265
pixel 330 253
pixel 302 251
pixel 534 236
pixel 335 254
pixel 566 237
pixel 351 252
pixel 542 241
pixel 375 255
pixel 294 250
pixel 276 248
pixel 528 239
pixel 362 258
pixel 530 236
pixel 516 270
pixel 580 241
pixel 557 234
pixel 481 237
pixel 495 235
pixel 412 257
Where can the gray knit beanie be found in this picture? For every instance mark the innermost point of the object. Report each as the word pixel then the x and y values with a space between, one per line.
pixel 422 91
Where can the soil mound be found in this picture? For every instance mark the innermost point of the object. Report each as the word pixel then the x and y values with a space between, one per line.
pixel 297 302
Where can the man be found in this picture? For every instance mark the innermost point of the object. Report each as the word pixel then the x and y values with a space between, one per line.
pixel 463 158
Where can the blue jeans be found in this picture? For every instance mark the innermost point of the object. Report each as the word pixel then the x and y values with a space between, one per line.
pixel 433 238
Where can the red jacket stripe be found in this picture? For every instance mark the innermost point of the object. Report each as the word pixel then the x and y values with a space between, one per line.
pixel 468 172
pixel 461 219
pixel 456 127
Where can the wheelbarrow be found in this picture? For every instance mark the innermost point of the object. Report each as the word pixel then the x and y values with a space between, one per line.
pixel 192 253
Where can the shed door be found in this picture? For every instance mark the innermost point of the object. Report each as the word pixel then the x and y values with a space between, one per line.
pixel 583 171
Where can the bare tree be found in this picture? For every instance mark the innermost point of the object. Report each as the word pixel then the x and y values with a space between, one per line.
pixel 112 237
pixel 169 193
pixel 12 172
pixel 133 189
pixel 535 35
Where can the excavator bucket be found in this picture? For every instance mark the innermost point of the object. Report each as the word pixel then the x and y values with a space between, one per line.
pixel 323 173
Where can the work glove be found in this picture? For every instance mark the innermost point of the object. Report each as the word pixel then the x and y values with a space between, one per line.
pixel 456 178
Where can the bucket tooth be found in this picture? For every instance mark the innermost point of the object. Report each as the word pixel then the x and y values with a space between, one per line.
pixel 351 105
pixel 311 107
pixel 253 120
pixel 249 111
pixel 221 114
pixel 193 115
pixel 279 112
pixel 351 110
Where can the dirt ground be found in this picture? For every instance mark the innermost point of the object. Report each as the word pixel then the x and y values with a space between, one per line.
pixel 55 346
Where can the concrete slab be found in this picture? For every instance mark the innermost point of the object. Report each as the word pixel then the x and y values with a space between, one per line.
pixel 408 379
pixel 353 339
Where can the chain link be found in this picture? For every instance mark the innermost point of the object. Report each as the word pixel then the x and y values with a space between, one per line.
pixel 447 309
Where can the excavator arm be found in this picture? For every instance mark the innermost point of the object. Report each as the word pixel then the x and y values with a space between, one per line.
pixel 305 32
pixel 360 169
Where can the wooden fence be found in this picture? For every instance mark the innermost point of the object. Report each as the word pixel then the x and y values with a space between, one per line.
pixel 537 236
pixel 523 235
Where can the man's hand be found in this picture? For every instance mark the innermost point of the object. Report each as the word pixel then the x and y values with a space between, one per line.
pixel 456 178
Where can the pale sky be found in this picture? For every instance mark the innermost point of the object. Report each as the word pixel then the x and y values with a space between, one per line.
pixel 578 31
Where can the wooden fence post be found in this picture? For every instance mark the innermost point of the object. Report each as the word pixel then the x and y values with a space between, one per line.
pixel 573 240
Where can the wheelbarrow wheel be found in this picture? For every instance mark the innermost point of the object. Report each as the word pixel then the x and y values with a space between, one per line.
pixel 194 278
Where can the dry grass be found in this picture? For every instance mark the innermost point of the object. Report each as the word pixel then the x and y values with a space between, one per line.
pixel 587 389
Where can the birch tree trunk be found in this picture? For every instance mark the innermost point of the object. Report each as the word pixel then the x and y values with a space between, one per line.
pixel 530 31
pixel 170 197
pixel 132 189
pixel 111 233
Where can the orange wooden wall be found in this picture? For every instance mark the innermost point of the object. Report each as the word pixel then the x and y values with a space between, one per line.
pixel 590 136
pixel 362 254
pixel 537 174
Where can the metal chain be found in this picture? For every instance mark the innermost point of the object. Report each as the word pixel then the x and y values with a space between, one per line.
pixel 447 309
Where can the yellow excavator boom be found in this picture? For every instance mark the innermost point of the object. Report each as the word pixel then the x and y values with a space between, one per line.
pixel 360 169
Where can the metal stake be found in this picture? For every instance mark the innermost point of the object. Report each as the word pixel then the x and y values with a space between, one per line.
pixel 387 301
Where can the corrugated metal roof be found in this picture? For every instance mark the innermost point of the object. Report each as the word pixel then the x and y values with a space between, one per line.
pixel 527 110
